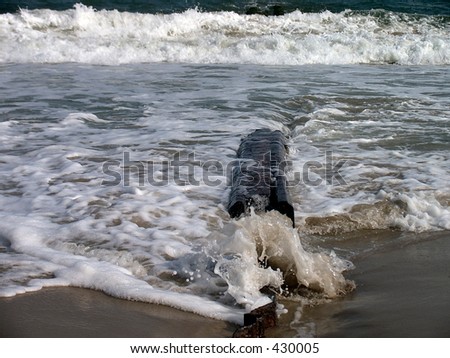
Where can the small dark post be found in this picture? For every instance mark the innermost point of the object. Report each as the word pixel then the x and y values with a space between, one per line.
pixel 257 321
pixel 258 179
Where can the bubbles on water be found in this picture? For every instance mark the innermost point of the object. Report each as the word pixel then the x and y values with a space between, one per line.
pixel 416 212
pixel 120 258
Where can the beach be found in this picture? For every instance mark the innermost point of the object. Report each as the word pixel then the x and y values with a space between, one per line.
pixel 119 131
pixel 400 292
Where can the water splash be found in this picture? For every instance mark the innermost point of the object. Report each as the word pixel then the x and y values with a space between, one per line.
pixel 264 250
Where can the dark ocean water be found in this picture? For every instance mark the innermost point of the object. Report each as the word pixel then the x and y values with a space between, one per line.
pixel 428 7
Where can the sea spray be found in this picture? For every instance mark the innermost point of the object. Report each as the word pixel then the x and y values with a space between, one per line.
pixel 264 250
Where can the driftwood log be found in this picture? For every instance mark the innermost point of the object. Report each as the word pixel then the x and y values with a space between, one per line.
pixel 258 177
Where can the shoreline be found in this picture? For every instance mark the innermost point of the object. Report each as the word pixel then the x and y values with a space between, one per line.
pixel 402 291
pixel 71 312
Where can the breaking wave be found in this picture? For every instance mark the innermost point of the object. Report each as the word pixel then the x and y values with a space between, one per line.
pixel 110 37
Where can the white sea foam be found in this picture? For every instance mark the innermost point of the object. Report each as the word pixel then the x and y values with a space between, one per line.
pixel 85 35
pixel 269 239
pixel 31 238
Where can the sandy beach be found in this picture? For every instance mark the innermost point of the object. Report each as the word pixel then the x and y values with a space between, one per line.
pixel 402 291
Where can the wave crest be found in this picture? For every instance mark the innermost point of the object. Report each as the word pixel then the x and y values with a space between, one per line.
pixel 86 35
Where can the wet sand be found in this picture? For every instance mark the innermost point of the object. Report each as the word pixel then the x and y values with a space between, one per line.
pixel 403 290
pixel 80 313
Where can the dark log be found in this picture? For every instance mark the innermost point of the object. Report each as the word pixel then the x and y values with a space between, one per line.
pixel 258 178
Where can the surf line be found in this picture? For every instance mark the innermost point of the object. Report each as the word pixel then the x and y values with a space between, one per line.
pixel 258 182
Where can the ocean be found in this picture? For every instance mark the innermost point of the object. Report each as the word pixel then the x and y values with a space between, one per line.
pixel 120 121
